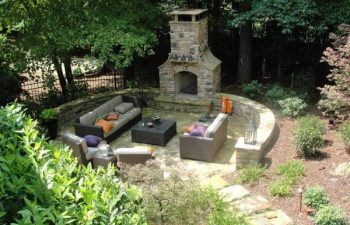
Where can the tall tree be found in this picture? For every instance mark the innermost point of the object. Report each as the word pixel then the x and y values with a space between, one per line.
pixel 114 31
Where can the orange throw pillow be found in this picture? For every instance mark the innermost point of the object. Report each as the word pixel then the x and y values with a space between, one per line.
pixel 229 106
pixel 188 128
pixel 224 104
pixel 106 125
pixel 113 116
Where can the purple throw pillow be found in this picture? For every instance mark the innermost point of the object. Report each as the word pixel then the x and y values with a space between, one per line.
pixel 92 140
pixel 199 131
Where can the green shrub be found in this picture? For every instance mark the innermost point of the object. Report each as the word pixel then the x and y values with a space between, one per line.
pixel 42 183
pixel 308 136
pixel 312 122
pixel 276 93
pixel 175 200
pixel 330 215
pixel 252 173
pixel 292 106
pixel 315 197
pixel 293 170
pixel 253 89
pixel 49 114
pixel 344 130
pixel 281 188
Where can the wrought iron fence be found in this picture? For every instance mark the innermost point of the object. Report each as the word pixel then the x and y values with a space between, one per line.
pixel 35 90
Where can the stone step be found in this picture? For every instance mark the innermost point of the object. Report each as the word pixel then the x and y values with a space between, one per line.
pixel 216 182
pixel 234 193
pixel 253 204
pixel 275 217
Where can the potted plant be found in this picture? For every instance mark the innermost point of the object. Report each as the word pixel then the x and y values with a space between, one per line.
pixel 50 118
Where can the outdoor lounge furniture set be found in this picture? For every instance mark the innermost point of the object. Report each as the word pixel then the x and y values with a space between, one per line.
pixel 148 130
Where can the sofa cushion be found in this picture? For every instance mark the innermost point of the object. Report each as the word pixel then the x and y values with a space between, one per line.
pixel 75 142
pixel 115 101
pixel 103 109
pixel 131 114
pixel 92 140
pixel 123 107
pixel 188 128
pixel 88 118
pixel 106 125
pixel 117 124
pixel 199 130
pixel 209 133
pixel 91 152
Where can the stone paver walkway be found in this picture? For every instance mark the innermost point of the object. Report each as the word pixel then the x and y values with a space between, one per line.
pixel 257 208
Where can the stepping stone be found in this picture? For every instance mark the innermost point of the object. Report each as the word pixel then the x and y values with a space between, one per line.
pixel 233 193
pixel 216 182
pixel 252 204
pixel 270 218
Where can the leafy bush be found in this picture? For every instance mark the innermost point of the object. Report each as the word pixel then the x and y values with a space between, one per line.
pixel 281 188
pixel 292 106
pixel 344 130
pixel 252 173
pixel 305 83
pixel 42 183
pixel 253 89
pixel 330 215
pixel 172 199
pixel 291 173
pixel 335 98
pixel 276 93
pixel 342 170
pixel 308 136
pixel 312 122
pixel 293 170
pixel 49 114
pixel 315 197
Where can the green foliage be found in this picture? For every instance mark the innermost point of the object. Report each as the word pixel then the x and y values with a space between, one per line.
pixel 342 170
pixel 281 188
pixel 291 173
pixel 49 114
pixel 330 215
pixel 276 93
pixel 315 197
pixel 252 173
pixel 293 170
pixel 292 106
pixel 253 89
pixel 305 84
pixel 171 199
pixel 308 136
pixel 335 98
pixel 42 183
pixel 344 130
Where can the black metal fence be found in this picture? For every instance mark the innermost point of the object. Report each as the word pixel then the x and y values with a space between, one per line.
pixel 36 90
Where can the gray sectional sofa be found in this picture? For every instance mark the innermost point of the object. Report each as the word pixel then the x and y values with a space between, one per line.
pixel 205 148
pixel 130 107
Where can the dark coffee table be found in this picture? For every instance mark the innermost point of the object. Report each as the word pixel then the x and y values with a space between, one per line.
pixel 159 134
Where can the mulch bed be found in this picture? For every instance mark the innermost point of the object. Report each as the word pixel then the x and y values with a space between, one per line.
pixel 318 171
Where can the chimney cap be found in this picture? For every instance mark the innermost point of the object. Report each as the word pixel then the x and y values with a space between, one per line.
pixel 188 12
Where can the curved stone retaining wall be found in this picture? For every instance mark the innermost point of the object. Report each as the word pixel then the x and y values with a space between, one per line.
pixel 265 121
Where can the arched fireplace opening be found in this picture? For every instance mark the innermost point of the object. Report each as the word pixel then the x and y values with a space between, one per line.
pixel 186 83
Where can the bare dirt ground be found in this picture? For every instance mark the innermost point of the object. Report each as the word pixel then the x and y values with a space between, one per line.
pixel 318 171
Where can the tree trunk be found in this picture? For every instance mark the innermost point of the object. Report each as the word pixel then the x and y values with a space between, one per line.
pixel 280 63
pixel 68 68
pixel 244 74
pixel 61 78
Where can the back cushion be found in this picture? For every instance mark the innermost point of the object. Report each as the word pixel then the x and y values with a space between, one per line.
pixel 123 107
pixel 88 118
pixel 115 101
pixel 103 109
pixel 209 133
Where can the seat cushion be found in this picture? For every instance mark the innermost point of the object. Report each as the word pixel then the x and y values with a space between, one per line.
pixel 123 107
pixel 131 114
pixel 91 152
pixel 115 101
pixel 117 124
pixel 88 118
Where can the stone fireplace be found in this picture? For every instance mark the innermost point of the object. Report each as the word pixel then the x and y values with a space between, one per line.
pixel 191 69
